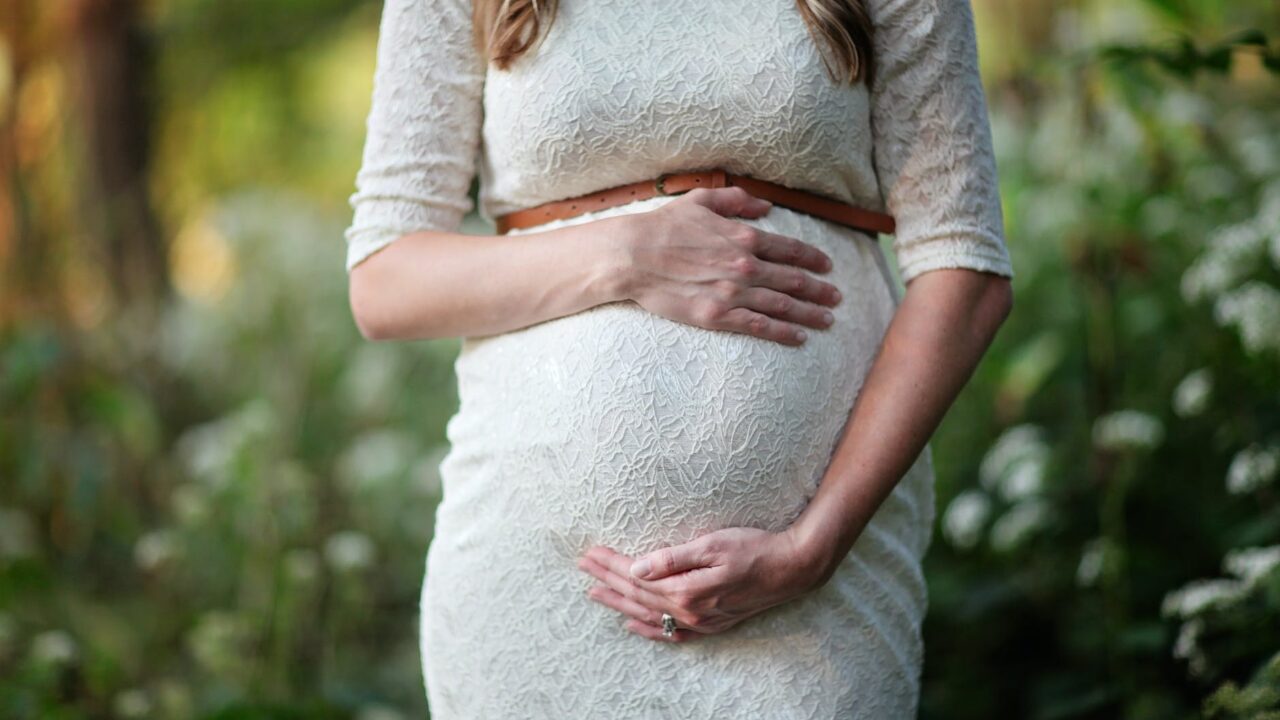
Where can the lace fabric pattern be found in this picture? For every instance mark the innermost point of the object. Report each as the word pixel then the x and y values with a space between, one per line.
pixel 619 427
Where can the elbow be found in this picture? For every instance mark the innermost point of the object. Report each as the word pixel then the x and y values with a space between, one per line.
pixel 384 307
pixel 364 297
pixel 997 301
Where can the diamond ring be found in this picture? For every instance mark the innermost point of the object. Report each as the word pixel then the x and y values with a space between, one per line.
pixel 668 625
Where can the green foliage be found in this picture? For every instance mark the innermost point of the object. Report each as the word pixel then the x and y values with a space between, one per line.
pixel 1259 700
pixel 1138 383
pixel 1184 59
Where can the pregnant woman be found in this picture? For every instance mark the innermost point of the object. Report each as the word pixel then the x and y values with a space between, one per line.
pixel 661 499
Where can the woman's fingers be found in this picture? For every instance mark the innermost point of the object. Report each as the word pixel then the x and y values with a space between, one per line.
pixel 728 201
pixel 750 322
pixel 749 280
pixel 790 251
pixel 644 621
pixel 609 597
pixel 786 307
pixel 796 283
pixel 623 585
pixel 766 245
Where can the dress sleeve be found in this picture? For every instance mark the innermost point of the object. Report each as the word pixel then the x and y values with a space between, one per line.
pixel 423 128
pixel 932 139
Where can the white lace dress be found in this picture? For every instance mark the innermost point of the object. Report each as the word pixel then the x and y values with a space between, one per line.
pixel 615 426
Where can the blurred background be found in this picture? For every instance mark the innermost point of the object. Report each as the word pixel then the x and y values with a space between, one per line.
pixel 216 497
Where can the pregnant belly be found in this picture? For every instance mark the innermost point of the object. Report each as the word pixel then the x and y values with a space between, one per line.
pixel 618 426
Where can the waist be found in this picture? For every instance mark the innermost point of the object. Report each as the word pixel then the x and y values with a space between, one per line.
pixel 669 184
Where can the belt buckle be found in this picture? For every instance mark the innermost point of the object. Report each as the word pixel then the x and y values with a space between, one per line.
pixel 658 187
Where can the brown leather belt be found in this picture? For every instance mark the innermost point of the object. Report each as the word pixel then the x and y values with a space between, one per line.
pixel 806 202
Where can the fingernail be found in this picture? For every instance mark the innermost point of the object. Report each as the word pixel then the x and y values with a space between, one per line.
pixel 801 335
pixel 640 568
pixel 828 318
pixel 835 294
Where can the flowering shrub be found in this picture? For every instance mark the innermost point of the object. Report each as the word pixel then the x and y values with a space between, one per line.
pixel 1133 443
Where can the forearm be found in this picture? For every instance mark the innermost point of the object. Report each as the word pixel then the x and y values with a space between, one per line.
pixel 436 284
pixel 942 327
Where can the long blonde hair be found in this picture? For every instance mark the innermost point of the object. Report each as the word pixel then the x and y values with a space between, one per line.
pixel 505 29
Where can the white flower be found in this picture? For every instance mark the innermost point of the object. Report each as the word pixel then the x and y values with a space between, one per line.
pixel 1127 430
pixel 375 458
pixel 1233 253
pixel 1018 523
pixel 1252 468
pixel 1254 310
pixel 1252 564
pixel 349 550
pixel 54 647
pixel 1186 647
pixel 209 450
pixel 155 548
pixel 1016 463
pixel 1091 560
pixel 132 703
pixel 1200 595
pixel 1024 479
pixel 1188 636
pixel 965 518
pixel 1191 397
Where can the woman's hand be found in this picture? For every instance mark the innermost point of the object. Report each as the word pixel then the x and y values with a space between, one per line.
pixel 688 261
pixel 708 584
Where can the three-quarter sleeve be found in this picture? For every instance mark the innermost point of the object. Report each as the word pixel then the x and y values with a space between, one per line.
pixel 423 128
pixel 932 139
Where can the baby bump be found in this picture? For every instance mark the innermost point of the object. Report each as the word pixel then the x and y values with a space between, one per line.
pixel 619 426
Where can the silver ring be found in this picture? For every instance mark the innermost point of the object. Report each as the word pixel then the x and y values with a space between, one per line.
pixel 668 625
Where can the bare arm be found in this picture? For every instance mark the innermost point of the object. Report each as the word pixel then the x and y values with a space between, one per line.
pixel 445 284
pixel 945 323
pixel 688 260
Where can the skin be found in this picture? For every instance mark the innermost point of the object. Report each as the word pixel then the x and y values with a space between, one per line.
pixel 689 261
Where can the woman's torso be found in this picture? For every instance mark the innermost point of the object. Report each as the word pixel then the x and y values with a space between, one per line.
pixel 618 426
pixel 621 91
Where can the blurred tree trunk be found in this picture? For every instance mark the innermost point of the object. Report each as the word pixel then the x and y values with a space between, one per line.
pixel 110 60
pixel 13 63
